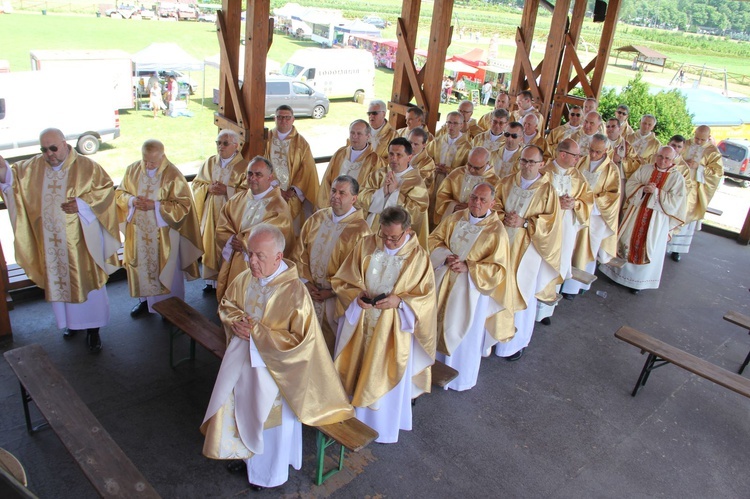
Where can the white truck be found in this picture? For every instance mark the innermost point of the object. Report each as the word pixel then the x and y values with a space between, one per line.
pixel 113 67
pixel 31 101
pixel 338 73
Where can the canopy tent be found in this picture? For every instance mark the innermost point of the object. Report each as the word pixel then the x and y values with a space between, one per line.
pixel 214 61
pixel 459 67
pixel 644 55
pixel 165 57
pixel 474 57
pixel 358 27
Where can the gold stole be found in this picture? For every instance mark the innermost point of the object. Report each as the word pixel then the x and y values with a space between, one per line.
pixel 561 183
pixel 592 177
pixel 321 249
pixel 467 185
pixel 640 143
pixel 218 174
pixel 503 168
pixel 518 201
pixel 147 239
pixel 352 168
pixel 55 237
pixel 255 210
pixel 280 160
pixel 382 273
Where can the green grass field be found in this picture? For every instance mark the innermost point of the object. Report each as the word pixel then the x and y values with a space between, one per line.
pixel 190 140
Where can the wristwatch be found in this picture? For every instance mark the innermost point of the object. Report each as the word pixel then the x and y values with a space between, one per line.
pixel 401 305
pixel 525 223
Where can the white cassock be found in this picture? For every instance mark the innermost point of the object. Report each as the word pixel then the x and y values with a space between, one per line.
pixel 465 306
pixel 392 412
pixel 247 392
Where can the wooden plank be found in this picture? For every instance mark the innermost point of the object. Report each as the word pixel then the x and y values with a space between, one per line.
pixel 582 276
pixel 605 46
pixel 406 34
pixel 257 36
pixel 519 78
pixel 714 211
pixel 553 55
pixel 738 319
pixel 442 374
pixel 685 360
pixel 352 433
pixel 6 332
pixel 616 263
pixel 106 466
pixel 440 39
pixel 187 319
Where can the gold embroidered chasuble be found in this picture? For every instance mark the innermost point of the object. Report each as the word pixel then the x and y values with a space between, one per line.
pixel 456 189
pixel 518 115
pixel 426 166
pixel 572 183
pixel 151 251
pixel 701 182
pixel 374 360
pixel 604 183
pixel 404 132
pixel 208 206
pixel 505 168
pixel 472 130
pixel 320 250
pixel 341 164
pixel 59 253
pixel 540 206
pixel 380 140
pixel 412 196
pixel 294 165
pixel 451 155
pixel 485 249
pixel 629 161
pixel 484 139
pixel 289 341
pixel 644 146
pixel 559 134
pixel 239 215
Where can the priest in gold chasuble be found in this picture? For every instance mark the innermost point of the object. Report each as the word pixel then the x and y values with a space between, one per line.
pixel 293 167
pixel 386 338
pixel 220 178
pixel 398 185
pixel 261 203
pixel 62 210
pixel 381 132
pixel 528 206
pixel 276 373
pixel 470 254
pixel 453 193
pixel 326 240
pixel 162 232
pixel 450 150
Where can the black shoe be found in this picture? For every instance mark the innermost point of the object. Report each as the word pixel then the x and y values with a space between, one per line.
pixel 546 321
pixel 209 289
pixel 139 309
pixel 569 296
pixel 93 340
pixel 675 256
pixel 69 333
pixel 515 356
pixel 237 466
pixel 635 291
pixel 257 488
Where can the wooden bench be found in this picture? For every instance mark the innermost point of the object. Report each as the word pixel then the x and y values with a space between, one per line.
pixel 616 263
pixel 714 211
pixel 351 434
pixel 660 354
pixel 582 276
pixel 744 322
pixel 103 462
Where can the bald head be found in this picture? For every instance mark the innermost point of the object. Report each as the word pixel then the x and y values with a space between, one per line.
pixel 567 153
pixel 478 159
pixel 702 135
pixel 153 154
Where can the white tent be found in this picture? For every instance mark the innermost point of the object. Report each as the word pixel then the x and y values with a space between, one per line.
pixel 214 61
pixel 165 57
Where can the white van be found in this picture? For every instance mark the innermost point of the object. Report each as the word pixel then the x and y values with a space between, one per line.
pixel 31 101
pixel 338 73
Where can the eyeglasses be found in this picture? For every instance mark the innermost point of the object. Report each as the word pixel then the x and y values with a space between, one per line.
pixel 622 112
pixel 255 174
pixel 373 113
pixel 474 167
pixel 224 143
pixel 575 114
pixel 452 123
pixel 511 135
pixel 284 118
pixel 50 148
pixel 390 239
pixel 465 112
pixel 572 154
pixel 524 162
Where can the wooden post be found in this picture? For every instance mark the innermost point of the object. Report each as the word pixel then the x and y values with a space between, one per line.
pixel 440 38
pixel 6 333
pixel 605 46
pixel 406 34
pixel 561 90
pixel 258 33
pixel 525 32
pixel 552 56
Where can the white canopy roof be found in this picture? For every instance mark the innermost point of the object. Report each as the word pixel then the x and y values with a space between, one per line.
pixel 165 57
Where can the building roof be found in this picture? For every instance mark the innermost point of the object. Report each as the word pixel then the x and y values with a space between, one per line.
pixel 644 51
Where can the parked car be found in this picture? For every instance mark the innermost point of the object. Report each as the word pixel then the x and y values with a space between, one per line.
pixel 207 18
pixel 736 153
pixel 376 21
pixel 123 11
pixel 186 12
pixel 146 14
pixel 304 100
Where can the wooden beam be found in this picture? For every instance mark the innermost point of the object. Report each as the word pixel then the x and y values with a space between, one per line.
pixel 574 33
pixel 553 55
pixel 586 69
pixel 519 79
pixel 258 35
pixel 228 30
pixel 525 63
pixel 605 46
pixel 440 38
pixel 405 84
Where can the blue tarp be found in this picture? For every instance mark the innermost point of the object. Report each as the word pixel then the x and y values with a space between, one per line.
pixel 712 109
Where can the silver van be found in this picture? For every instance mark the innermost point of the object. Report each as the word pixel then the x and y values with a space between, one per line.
pixel 303 99
pixel 736 155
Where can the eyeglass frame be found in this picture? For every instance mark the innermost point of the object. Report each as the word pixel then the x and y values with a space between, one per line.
pixel 390 238
pixel 53 148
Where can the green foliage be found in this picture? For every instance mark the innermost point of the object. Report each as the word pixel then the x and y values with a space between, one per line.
pixel 670 108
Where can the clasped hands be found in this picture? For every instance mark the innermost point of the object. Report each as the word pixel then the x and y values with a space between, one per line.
pixel 649 188
pixel 441 168
pixel 513 220
pixel 390 301
pixel 318 294
pixel 217 189
pixel 143 203
pixel 391 184
pixel 70 206
pixel 288 194
pixel 567 202
pixel 243 327
pixel 456 265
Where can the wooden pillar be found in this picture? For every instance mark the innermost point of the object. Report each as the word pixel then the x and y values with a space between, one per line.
pixel 524 40
pixel 605 46
pixel 6 333
pixel 258 36
pixel 441 32
pixel 406 34
pixel 552 55
pixel 571 43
